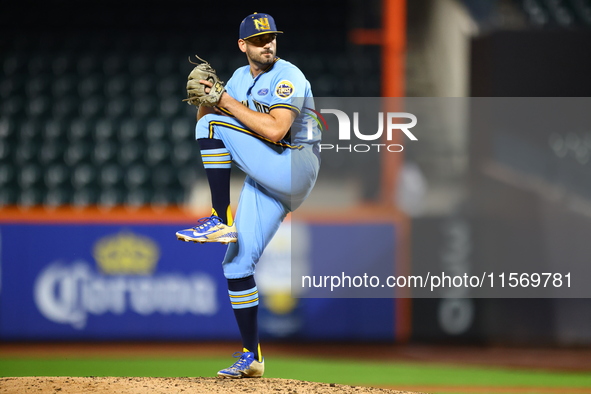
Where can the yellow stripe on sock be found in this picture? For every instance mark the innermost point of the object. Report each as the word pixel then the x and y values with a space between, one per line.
pixel 244 295
pixel 260 355
pixel 214 154
pixel 229 217
pixel 217 162
pixel 243 302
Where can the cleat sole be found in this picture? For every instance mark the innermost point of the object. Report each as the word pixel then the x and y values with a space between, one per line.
pixel 222 240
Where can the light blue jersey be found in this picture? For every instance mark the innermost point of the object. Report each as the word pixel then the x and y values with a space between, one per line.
pixel 280 175
pixel 283 85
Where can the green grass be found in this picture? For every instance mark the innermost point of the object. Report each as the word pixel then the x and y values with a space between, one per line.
pixel 380 373
pixel 329 371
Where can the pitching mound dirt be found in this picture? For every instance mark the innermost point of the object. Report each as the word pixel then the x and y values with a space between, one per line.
pixel 63 385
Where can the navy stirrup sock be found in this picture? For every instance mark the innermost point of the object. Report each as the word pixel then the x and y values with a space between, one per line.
pixel 218 163
pixel 244 298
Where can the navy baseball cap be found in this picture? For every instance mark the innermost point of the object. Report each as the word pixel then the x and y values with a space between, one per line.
pixel 257 24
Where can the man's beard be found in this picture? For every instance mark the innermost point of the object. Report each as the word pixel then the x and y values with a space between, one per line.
pixel 259 58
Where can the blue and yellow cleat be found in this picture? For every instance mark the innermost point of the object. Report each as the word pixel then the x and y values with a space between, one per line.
pixel 247 366
pixel 209 229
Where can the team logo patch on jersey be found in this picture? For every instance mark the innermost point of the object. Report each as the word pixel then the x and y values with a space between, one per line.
pixel 263 92
pixel 284 89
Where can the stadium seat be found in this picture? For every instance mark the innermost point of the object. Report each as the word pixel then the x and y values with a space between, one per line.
pixel 110 176
pixel 13 108
pixel 118 107
pixel 63 86
pixel 52 130
pixel 136 176
pixel 76 153
pixel 7 176
pixel 103 152
pixel 128 130
pixel 137 197
pixel 51 153
pixel 7 129
pixel 98 117
pixel 143 107
pixel 156 153
pixel 64 108
pixel 89 85
pixel 183 153
pixel 103 130
pixel 62 64
pixel 170 107
pixel 5 151
pixel 182 129
pixel 109 198
pixel 7 197
pixel 56 175
pixel 29 197
pixel 113 64
pixel 92 107
pixel 84 197
pixel 38 107
pixel 13 63
pixel 165 66
pixel 171 86
pixel 78 130
pixel 116 85
pixel 156 130
pixel 83 176
pixel 26 152
pixel 56 197
pixel 163 177
pixel 130 153
pixel 29 176
pixel 88 63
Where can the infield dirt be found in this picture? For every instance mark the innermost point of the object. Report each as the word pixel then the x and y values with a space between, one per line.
pixel 545 359
pixel 63 385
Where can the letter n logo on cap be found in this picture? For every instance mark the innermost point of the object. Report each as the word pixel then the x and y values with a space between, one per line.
pixel 262 24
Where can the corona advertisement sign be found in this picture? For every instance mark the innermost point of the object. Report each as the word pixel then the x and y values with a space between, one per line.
pixel 138 282
pixel 115 283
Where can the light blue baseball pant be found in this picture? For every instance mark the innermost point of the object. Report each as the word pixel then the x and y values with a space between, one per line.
pixel 279 178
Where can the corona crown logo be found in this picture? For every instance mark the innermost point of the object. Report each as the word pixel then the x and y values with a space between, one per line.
pixel 126 253
pixel 262 24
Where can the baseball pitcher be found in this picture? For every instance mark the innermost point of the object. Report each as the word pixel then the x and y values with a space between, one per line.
pixel 259 121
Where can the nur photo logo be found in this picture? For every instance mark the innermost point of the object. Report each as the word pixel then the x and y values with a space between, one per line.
pixel 350 131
